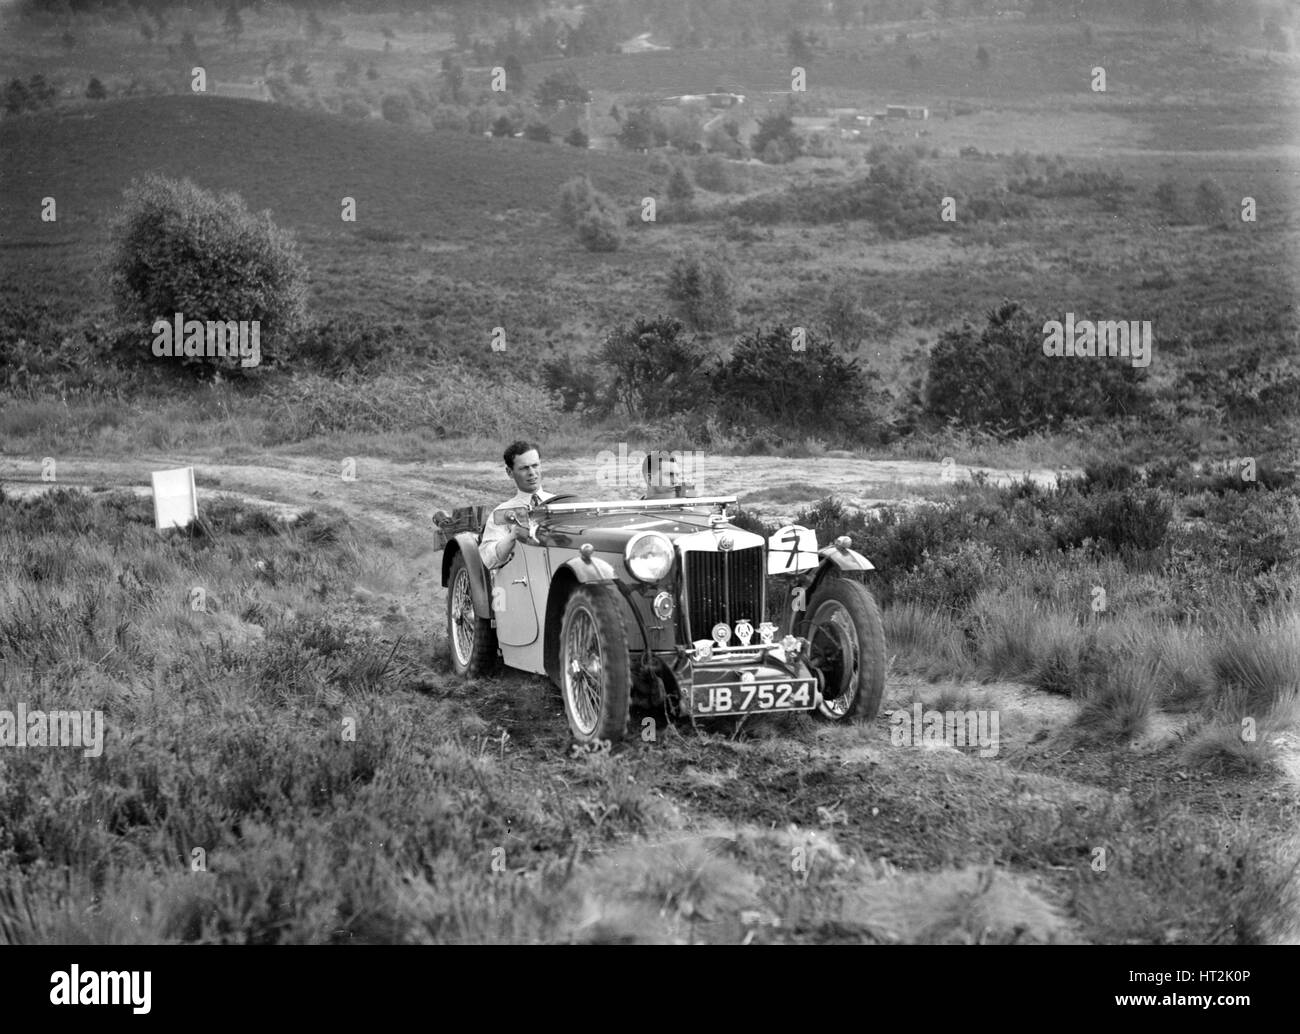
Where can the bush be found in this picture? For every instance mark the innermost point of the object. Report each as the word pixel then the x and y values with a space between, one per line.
pixel 579 386
pixel 341 343
pixel 1116 520
pixel 397 108
pixel 503 127
pixel 178 248
pixel 600 227
pixel 999 379
pixel 680 187
pixel 577 138
pixel 701 286
pixel 1211 203
pixel 95 89
pixel 712 173
pixel 656 370
pixel 575 198
pixel 539 132
pixel 765 382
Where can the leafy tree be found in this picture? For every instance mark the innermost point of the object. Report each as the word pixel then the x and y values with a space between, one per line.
pixel 561 86
pixel 798 49
pixel 179 248
pixel 637 133
pixel 95 90
pixel 503 126
pixel 778 129
pixel 680 187
pixel 701 285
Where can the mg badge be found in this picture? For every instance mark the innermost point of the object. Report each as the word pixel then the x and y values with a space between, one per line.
pixel 725 542
pixel 721 633
pixel 744 632
pixel 767 631
pixel 746 676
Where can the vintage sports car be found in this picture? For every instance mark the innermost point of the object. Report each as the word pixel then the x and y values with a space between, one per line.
pixel 664 604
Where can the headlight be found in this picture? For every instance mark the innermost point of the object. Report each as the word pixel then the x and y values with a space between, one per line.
pixel 649 556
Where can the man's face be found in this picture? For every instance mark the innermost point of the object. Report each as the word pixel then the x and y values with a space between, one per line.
pixel 527 471
pixel 665 473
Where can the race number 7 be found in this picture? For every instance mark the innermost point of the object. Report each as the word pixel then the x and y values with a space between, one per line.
pixel 793 539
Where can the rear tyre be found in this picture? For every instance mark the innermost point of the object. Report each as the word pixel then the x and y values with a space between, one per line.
pixel 595 676
pixel 847 647
pixel 472 639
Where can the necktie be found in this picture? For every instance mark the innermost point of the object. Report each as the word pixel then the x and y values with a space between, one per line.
pixel 537 500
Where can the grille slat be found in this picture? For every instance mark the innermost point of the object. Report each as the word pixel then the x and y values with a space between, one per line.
pixel 723 587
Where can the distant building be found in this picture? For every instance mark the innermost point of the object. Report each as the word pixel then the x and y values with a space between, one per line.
pixel 912 111
pixel 257 90
pixel 640 45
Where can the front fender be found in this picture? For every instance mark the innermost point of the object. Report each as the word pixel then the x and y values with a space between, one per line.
pixel 835 562
pixel 845 559
pixel 591 570
pixel 466 544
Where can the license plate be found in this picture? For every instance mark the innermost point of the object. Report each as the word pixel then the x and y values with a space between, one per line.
pixel 747 697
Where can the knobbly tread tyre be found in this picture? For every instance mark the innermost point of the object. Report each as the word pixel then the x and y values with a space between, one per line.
pixel 483 654
pixel 605 606
pixel 857 600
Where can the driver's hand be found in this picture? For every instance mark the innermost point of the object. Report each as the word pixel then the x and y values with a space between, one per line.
pixel 520 533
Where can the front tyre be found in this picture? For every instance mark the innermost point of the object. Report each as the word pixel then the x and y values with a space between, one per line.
pixel 847 647
pixel 595 677
pixel 471 638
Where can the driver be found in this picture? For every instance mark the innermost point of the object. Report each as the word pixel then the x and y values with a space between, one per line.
pixel 524 466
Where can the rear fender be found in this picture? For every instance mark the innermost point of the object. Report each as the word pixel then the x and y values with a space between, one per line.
pixel 466 544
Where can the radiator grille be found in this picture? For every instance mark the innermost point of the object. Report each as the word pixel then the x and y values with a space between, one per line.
pixel 722 587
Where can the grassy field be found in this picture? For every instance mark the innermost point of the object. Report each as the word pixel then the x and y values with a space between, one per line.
pixel 293 762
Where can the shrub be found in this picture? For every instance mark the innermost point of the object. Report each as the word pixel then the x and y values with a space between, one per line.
pixel 1119 521
pixel 600 227
pixel 656 370
pixel 1168 201
pixel 577 138
pixel 579 386
pixel 539 132
pixel 397 108
pixel 680 187
pixel 711 173
pixel 765 382
pixel 700 284
pixel 950 580
pixel 95 89
pixel 999 379
pixel 355 107
pixel 178 248
pixel 503 127
pixel 575 198
pixel 341 343
pixel 1211 203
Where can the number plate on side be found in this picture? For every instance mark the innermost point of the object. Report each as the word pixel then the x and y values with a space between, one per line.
pixel 737 696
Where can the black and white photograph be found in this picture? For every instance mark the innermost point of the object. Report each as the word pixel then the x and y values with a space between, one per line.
pixel 718 473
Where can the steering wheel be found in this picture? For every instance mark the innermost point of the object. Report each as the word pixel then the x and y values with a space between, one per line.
pixel 563 497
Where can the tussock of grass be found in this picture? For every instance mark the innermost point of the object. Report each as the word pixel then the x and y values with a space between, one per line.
pixel 1220 748
pixel 956 906
pixel 1118 705
pixel 1257 668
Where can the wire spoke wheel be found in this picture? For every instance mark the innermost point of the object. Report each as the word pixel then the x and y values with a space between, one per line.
pixel 847 649
pixel 594 668
pixel 471 638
